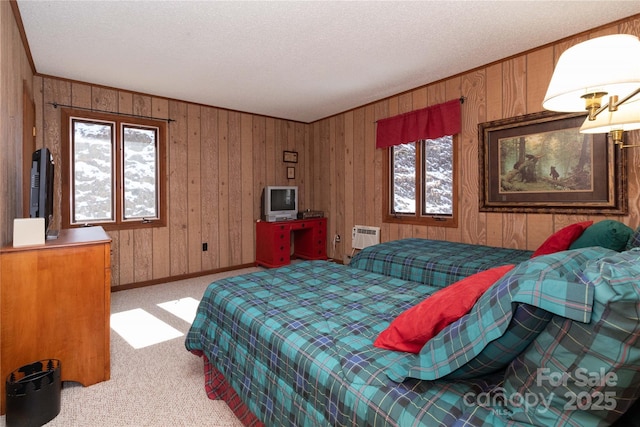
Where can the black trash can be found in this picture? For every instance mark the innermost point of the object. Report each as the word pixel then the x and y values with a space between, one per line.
pixel 33 394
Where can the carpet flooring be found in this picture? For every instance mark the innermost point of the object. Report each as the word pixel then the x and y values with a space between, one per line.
pixel 157 385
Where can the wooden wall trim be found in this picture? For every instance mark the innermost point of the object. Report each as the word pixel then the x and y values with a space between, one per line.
pixel 145 283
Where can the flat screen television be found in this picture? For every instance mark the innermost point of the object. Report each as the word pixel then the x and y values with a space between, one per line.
pixel 279 203
pixel 41 194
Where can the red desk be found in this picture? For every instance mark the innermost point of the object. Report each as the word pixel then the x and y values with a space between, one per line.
pixel 273 241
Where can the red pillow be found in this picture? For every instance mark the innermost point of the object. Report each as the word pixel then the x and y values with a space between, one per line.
pixel 411 330
pixel 562 239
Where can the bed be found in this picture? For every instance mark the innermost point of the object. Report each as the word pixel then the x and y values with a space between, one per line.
pixel 435 262
pixel 293 346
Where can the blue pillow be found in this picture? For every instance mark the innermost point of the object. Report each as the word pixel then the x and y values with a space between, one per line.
pixel 588 373
pixel 634 240
pixel 501 324
pixel 526 323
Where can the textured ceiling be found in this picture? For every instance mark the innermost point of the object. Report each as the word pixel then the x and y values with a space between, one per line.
pixel 297 60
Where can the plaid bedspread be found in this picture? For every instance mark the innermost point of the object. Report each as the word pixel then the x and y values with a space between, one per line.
pixel 434 262
pixel 296 345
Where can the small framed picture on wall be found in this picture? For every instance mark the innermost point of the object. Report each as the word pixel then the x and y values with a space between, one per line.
pixel 291 172
pixel 290 156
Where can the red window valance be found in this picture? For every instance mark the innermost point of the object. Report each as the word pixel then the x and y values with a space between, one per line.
pixel 428 123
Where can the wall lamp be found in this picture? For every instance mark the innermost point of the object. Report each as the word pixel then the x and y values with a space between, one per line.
pixel 586 73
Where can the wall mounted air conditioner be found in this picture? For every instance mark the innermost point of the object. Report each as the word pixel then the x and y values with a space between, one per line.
pixel 364 236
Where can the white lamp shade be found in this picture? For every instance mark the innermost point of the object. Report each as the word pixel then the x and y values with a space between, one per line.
pixel 608 64
pixel 627 117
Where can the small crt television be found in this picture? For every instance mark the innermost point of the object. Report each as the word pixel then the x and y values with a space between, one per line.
pixel 279 203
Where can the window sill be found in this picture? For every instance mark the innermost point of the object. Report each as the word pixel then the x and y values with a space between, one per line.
pixel 449 222
pixel 122 226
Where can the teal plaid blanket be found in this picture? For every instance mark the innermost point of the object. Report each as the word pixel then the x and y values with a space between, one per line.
pixel 434 262
pixel 296 343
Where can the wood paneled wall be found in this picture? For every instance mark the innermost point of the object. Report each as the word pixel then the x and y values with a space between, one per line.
pixel 218 163
pixel 349 183
pixel 16 77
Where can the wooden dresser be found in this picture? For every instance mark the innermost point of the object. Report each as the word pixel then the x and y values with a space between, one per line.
pixel 55 304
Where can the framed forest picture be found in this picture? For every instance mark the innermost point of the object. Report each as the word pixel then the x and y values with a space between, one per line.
pixel 541 163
